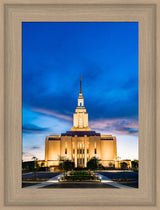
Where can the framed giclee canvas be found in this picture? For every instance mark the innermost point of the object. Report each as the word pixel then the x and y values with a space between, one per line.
pixel 13 13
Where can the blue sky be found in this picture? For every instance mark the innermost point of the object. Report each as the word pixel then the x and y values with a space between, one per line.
pixel 54 55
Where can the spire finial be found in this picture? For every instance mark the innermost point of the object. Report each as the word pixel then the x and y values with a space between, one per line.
pixel 80 85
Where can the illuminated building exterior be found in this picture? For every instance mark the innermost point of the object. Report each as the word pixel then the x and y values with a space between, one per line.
pixel 80 144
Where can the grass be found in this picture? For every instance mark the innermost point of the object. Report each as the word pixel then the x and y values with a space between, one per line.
pixel 37 179
pixel 123 180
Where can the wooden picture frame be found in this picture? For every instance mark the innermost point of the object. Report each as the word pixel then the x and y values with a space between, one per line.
pixel 12 14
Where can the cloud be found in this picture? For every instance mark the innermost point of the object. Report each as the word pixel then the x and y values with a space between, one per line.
pixel 30 129
pixel 127 126
pixel 35 147
pixel 115 103
pixel 52 113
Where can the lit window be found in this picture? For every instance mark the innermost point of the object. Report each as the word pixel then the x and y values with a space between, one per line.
pixel 95 148
pixel 87 148
pixel 73 148
pixel 65 148
pixel 80 122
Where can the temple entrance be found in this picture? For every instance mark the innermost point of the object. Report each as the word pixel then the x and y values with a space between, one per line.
pixel 80 162
pixel 80 155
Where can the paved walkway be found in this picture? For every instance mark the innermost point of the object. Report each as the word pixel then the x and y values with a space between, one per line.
pixel 107 180
pixel 46 183
pixel 27 173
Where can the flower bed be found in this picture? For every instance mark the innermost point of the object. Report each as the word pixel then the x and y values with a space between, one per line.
pixel 80 173
pixel 78 176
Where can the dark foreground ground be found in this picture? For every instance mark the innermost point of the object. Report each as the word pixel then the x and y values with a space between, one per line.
pixel 40 175
pixel 121 175
pixel 79 185
pixel 130 175
pixel 27 184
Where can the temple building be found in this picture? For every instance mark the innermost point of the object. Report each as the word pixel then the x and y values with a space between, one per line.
pixel 81 143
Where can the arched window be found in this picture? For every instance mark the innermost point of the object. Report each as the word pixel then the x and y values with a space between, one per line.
pixel 80 103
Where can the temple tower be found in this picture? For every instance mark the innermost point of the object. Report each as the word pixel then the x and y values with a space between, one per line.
pixel 80 117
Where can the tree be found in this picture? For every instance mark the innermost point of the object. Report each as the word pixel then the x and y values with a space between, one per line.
pixel 35 166
pixel 65 165
pixel 68 165
pixel 123 167
pixel 134 164
pixel 110 164
pixel 93 164
pixel 60 166
pixel 42 164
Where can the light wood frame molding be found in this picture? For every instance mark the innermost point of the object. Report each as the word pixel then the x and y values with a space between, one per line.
pixel 12 14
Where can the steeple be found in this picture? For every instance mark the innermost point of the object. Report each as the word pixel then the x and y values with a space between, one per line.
pixel 80 117
pixel 80 85
pixel 80 98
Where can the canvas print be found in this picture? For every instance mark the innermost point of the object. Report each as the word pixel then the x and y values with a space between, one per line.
pixel 80 105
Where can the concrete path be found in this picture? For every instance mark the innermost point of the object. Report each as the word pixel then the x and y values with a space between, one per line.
pixel 46 183
pixel 27 173
pixel 107 180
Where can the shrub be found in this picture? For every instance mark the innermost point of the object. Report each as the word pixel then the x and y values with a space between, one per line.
pixel 80 173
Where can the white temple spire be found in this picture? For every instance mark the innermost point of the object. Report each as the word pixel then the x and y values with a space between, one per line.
pixel 80 117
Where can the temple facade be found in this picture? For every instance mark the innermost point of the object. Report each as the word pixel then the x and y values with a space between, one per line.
pixel 81 143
